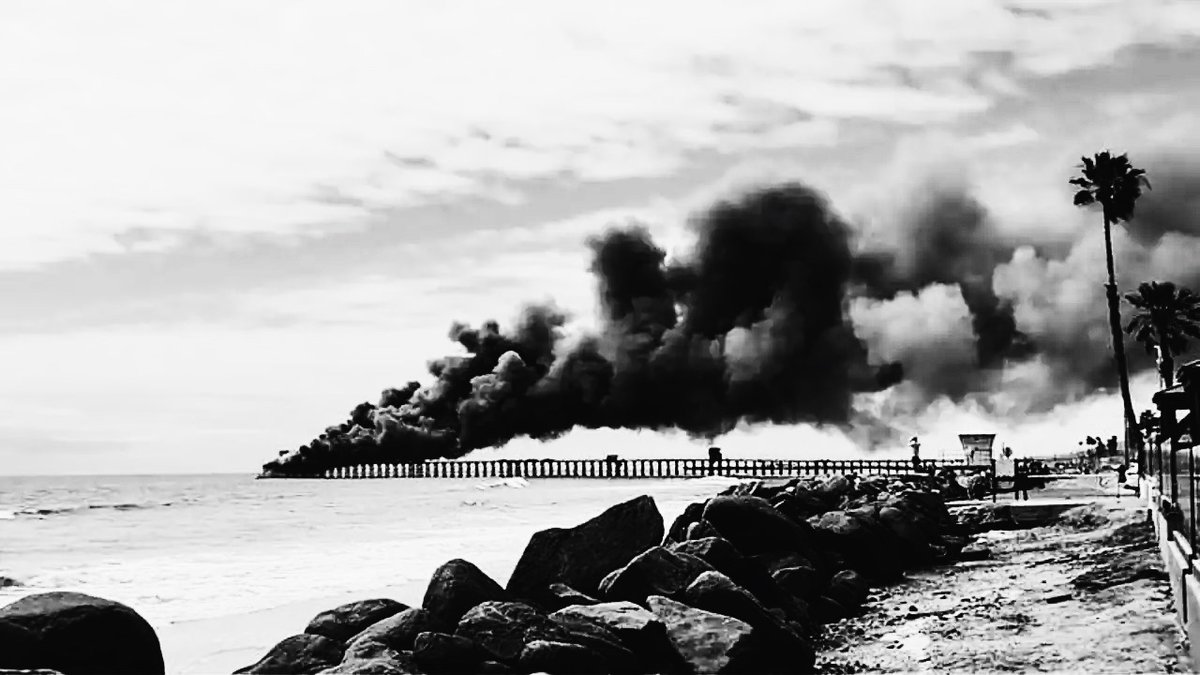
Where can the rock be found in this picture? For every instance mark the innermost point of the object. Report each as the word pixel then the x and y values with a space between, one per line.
pixel 581 556
pixel 439 653
pixel 867 546
pixel 493 667
pixel 8 582
pixel 20 648
pixel 397 631
pixel 701 529
pixel 371 667
pixel 637 628
pixel 745 572
pixel 365 650
pixel 715 592
pixel 679 527
pixel 800 581
pixel 834 489
pixel 456 587
pixel 914 541
pixel 799 505
pixel 657 571
pixel 504 628
pixel 606 647
pixel 562 595
pixel 709 643
pixel 544 656
pixel 345 621
pixel 298 654
pixel 754 527
pixel 848 588
pixel 25 671
pixel 975 551
pixel 84 634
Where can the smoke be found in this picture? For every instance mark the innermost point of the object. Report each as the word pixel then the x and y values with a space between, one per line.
pixel 940 235
pixel 783 312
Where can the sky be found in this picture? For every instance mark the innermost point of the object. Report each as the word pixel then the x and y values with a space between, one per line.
pixel 223 224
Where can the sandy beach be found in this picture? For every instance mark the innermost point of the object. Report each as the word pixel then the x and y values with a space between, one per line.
pixel 1085 595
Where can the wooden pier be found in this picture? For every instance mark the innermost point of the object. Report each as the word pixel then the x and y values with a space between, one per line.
pixel 631 468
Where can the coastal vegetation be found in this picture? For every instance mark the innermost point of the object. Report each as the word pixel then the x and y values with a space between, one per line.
pixel 1167 317
pixel 1115 184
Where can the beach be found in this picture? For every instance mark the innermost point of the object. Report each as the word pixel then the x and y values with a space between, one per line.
pixel 224 565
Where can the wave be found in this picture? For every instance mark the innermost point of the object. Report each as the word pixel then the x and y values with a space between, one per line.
pixel 503 482
pixel 58 510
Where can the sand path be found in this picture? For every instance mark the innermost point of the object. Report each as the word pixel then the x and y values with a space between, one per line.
pixel 1087 595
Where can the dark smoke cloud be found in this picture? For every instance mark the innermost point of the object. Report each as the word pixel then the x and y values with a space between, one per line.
pixel 783 313
pixel 945 237
pixel 752 326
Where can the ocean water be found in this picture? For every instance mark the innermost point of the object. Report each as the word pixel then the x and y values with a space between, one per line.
pixel 203 557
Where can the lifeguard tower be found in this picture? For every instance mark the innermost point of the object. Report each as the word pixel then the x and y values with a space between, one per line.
pixel 977 448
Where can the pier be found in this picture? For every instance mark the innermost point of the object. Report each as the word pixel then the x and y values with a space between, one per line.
pixel 613 467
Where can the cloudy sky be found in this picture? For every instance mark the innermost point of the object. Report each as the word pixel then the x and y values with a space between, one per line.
pixel 223 224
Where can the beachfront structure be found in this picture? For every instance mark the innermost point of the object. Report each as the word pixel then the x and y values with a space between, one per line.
pixel 1168 474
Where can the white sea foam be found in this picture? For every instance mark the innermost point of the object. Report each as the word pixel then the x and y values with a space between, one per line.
pixel 517 482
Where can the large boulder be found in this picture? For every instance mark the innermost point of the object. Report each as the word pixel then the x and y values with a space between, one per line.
pixel 20 648
pixel 753 526
pixel 638 629
pixel 367 650
pixel 84 634
pixel 799 505
pixel 456 587
pixel 801 581
pixel 298 655
pixel 726 559
pixel 503 629
pixel 560 658
pixel 679 527
pixel 443 654
pixel 715 592
pixel 345 621
pixel 657 571
pixel 398 631
pixel 708 642
pixel 581 556
pixel 866 544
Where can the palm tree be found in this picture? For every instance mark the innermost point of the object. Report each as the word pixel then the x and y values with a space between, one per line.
pixel 1168 316
pixel 1115 185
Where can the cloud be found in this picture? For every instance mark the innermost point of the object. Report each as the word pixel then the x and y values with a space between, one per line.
pixel 227 117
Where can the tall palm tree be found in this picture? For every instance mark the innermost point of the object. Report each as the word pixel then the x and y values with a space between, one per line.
pixel 1116 185
pixel 1168 316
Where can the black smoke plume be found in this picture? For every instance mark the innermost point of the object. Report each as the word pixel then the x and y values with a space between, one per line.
pixel 752 326
pixel 755 326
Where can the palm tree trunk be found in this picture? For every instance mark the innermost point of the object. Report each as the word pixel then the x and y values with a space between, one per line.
pixel 1166 362
pixel 1118 341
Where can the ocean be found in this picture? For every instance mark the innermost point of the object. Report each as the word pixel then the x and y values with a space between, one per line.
pixel 223 566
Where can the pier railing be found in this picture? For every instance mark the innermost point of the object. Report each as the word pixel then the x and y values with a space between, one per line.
pixel 632 468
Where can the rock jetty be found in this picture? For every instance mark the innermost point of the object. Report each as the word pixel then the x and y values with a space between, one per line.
pixel 739 583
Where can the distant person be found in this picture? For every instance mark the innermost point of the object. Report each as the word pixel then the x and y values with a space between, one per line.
pixel 916 453
pixel 1006 471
